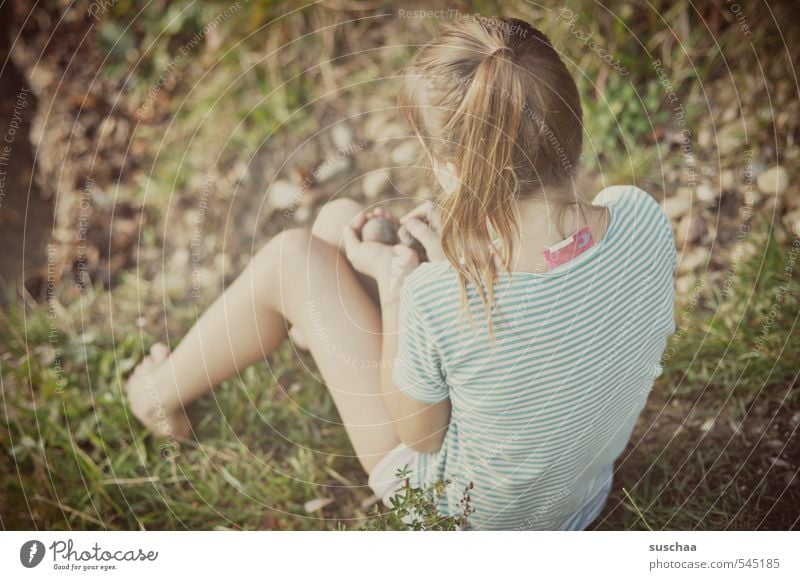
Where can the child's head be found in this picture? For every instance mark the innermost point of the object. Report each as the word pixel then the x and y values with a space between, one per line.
pixel 494 106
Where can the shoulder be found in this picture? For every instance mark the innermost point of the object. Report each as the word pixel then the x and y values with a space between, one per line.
pixel 429 276
pixel 639 213
pixel 431 289
pixel 628 196
pixel 634 205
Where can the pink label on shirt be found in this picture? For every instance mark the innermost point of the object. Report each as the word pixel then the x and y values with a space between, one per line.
pixel 570 248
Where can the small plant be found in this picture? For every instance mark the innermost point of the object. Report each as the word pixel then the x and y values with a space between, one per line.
pixel 417 509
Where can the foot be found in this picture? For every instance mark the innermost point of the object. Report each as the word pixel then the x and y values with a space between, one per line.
pixel 145 402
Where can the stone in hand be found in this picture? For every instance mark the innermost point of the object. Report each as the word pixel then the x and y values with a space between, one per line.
pixel 381 230
pixel 408 240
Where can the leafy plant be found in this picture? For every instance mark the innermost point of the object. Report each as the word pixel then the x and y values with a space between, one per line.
pixel 415 508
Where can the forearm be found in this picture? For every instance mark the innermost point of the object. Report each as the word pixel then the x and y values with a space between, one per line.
pixel 419 425
pixel 390 311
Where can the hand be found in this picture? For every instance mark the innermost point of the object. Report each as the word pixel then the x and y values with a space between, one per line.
pixel 387 264
pixel 425 224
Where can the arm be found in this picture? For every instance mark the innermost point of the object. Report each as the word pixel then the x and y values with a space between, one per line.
pixel 420 426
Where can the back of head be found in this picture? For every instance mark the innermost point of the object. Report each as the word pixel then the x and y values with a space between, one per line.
pixel 492 96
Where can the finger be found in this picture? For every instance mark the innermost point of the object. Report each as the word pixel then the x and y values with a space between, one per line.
pixel 419 212
pixel 404 254
pixel 358 221
pixel 351 241
pixel 420 230
pixel 435 218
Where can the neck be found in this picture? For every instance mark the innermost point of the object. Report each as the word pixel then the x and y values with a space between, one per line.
pixel 544 222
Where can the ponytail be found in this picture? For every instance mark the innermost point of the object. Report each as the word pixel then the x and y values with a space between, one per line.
pixel 493 96
pixel 490 117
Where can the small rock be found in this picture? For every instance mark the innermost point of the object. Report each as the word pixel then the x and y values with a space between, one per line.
pixel 302 214
pixel 793 222
pixel 382 126
pixel 678 206
pixel 379 230
pixel 375 182
pixel 315 505
pixel 730 138
pixel 408 240
pixel 342 136
pixel 690 230
pixel 683 285
pixel 727 180
pixel 752 197
pixel 707 194
pixel 284 194
pixel 331 168
pixel 405 153
pixel 778 462
pixel 692 260
pixel 774 180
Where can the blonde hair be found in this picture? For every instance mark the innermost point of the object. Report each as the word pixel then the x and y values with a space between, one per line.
pixel 492 96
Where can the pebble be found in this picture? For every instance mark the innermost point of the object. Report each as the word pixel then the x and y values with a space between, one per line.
pixel 405 153
pixel 683 285
pixel 690 230
pixel 408 240
pixel 773 180
pixel 315 505
pixel 727 180
pixel 678 206
pixel 706 194
pixel 284 194
pixel 331 168
pixel 342 136
pixel 692 260
pixel 751 196
pixel 381 126
pixel 730 138
pixel 302 214
pixel 379 230
pixel 793 222
pixel 375 182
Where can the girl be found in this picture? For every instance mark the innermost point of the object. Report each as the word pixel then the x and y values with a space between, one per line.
pixel 514 361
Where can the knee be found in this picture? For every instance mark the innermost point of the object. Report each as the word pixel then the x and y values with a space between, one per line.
pixel 290 263
pixel 293 251
pixel 289 246
pixel 333 218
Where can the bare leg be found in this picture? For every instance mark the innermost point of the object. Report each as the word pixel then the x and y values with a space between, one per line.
pixel 329 227
pixel 299 278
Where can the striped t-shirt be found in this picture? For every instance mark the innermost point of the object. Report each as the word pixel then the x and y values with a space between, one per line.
pixel 538 422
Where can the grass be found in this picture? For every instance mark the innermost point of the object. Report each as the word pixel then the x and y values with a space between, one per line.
pixel 268 442
pixel 709 452
pixel 717 446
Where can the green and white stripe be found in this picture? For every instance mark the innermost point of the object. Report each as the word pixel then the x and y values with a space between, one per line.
pixel 539 420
